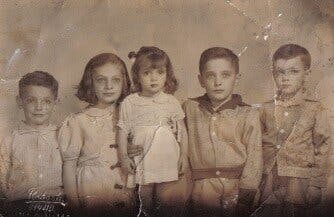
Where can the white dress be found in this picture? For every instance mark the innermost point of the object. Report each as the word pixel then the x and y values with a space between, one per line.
pixel 147 120
pixel 89 137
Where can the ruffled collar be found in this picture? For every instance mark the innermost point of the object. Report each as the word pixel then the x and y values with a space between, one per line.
pixel 160 98
pixel 98 112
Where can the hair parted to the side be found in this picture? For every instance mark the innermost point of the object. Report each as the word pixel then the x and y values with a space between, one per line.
pixel 86 90
pixel 157 58
pixel 38 78
pixel 289 51
pixel 218 53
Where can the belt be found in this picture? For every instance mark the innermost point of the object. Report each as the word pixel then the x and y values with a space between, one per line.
pixel 218 172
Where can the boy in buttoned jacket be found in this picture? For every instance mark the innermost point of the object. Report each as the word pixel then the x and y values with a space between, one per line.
pixel 295 139
pixel 224 140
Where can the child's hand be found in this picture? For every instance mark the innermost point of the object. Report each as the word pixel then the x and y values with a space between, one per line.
pixel 73 203
pixel 134 150
pixel 313 195
pixel 183 165
pixel 172 122
pixel 128 166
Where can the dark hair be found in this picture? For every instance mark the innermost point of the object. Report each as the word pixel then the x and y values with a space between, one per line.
pixel 38 78
pixel 86 90
pixel 157 58
pixel 289 51
pixel 218 53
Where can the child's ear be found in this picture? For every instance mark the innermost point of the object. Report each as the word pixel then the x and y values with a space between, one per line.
pixel 19 102
pixel 237 78
pixel 57 100
pixel 308 72
pixel 201 80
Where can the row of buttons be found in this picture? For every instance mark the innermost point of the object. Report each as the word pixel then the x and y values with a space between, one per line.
pixel 40 175
pixel 214 119
pixel 282 131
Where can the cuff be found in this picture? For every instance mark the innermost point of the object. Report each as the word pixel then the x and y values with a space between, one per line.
pixel 246 196
pixel 319 182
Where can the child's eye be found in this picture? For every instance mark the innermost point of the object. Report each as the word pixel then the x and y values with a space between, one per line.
pixel 146 73
pixel 294 71
pixel 47 101
pixel 161 72
pixel 226 75
pixel 117 80
pixel 209 76
pixel 29 100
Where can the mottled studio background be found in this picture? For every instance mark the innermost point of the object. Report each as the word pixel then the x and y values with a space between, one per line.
pixel 61 36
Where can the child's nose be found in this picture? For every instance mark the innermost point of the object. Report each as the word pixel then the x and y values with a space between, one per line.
pixel 109 85
pixel 285 78
pixel 39 106
pixel 218 81
pixel 154 77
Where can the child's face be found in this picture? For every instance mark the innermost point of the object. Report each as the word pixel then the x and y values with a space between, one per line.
pixel 37 103
pixel 152 80
pixel 218 78
pixel 108 81
pixel 289 75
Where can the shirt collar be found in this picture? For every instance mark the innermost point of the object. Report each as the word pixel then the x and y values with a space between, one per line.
pixel 297 99
pixel 160 98
pixel 98 112
pixel 233 103
pixel 25 128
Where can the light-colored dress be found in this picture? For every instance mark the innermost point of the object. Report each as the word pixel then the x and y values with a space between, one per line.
pixel 147 120
pixel 89 138
pixel 30 163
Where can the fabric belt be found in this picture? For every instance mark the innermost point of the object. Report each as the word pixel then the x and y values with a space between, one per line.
pixel 218 172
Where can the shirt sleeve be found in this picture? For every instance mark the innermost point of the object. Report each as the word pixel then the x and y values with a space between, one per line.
pixel 70 138
pixel 177 108
pixel 5 156
pixel 125 112
pixel 322 144
pixel 252 138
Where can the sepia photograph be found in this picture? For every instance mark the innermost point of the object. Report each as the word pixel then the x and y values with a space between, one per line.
pixel 173 108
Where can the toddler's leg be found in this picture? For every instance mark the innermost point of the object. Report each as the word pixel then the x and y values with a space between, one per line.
pixel 173 196
pixel 145 193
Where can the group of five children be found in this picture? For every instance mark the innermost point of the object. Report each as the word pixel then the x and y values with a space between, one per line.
pixel 216 151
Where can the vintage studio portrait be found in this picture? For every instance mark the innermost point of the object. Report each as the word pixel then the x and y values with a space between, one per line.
pixel 149 108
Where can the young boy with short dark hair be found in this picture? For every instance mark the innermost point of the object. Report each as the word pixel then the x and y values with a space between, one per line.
pixel 224 139
pixel 31 166
pixel 295 136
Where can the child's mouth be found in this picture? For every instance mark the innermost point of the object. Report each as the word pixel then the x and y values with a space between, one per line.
pixel 285 86
pixel 38 115
pixel 108 94
pixel 154 85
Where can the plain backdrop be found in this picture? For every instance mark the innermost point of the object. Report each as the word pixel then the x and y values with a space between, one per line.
pixel 61 36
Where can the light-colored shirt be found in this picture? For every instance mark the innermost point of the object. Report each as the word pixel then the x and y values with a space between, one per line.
pixel 31 163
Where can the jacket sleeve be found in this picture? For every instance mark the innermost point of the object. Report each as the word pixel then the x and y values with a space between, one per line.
pixel 321 142
pixel 252 172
